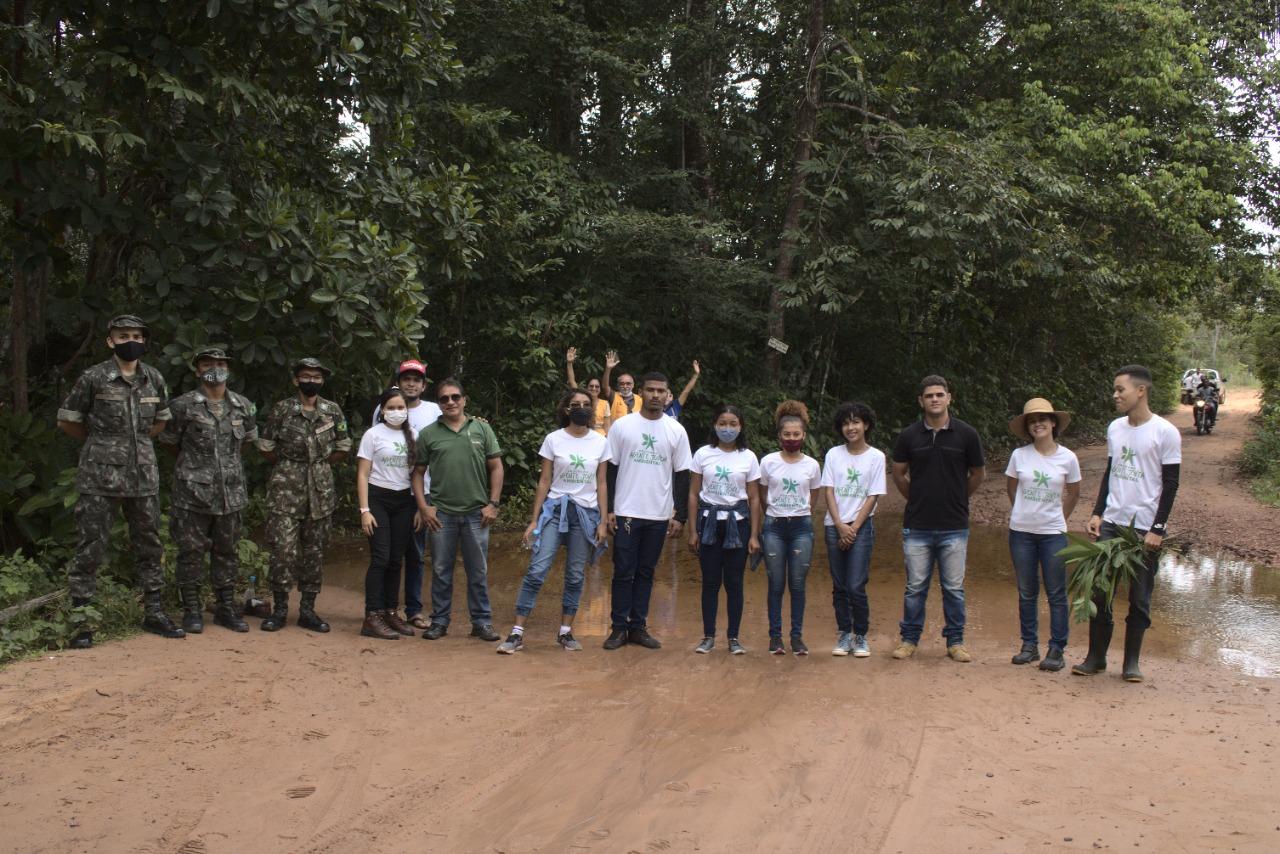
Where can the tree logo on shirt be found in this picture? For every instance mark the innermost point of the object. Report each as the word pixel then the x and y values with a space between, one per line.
pixel 1126 454
pixel 854 476
pixel 577 462
pixel 402 449
pixel 1127 468
pixel 789 485
pixel 722 473
pixel 1041 478
pixel 648 442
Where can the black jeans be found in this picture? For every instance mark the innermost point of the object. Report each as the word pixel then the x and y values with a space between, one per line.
pixel 637 546
pixel 723 567
pixel 1140 587
pixel 393 510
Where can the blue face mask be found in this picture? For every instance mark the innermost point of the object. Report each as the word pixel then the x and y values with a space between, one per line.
pixel 727 434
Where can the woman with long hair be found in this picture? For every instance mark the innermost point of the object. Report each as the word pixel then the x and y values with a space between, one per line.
pixel 789 483
pixel 388 513
pixel 724 514
pixel 566 510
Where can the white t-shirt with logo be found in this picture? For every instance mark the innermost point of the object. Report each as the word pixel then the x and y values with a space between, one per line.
pixel 1137 454
pixel 725 474
pixel 420 416
pixel 574 462
pixel 388 454
pixel 1037 503
pixel 855 478
pixel 647 453
pixel 790 485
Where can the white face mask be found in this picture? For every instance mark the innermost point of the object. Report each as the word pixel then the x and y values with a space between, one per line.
pixel 394 417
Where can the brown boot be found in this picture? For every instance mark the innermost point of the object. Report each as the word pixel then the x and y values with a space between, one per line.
pixel 375 626
pixel 397 623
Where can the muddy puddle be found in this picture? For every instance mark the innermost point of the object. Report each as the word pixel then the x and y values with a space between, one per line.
pixel 1206 607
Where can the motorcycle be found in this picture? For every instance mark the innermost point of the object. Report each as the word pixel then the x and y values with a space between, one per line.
pixel 1206 414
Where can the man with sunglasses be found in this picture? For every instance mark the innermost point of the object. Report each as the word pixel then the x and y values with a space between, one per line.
pixel 462 453
pixel 411 379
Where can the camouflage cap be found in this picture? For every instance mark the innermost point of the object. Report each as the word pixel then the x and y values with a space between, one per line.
pixel 126 321
pixel 212 352
pixel 312 363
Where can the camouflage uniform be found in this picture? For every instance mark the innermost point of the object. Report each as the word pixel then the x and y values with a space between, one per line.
pixel 300 494
pixel 209 484
pixel 117 467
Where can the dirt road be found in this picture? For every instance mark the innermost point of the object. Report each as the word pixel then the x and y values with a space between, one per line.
pixel 1214 510
pixel 298 742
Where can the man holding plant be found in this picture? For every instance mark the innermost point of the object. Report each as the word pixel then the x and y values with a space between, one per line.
pixel 1144 456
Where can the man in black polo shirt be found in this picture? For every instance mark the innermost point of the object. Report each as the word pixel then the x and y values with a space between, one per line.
pixel 937 465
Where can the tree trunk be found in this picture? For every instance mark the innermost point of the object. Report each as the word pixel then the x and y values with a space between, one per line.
pixel 806 122
pixel 19 338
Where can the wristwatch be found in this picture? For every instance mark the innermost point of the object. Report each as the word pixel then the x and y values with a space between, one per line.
pixel 495 503
pixel 364 509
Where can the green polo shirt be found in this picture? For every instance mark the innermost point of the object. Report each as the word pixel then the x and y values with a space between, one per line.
pixel 457 461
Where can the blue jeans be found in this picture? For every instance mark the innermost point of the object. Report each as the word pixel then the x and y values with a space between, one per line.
pixel 413 573
pixel 788 547
pixel 921 549
pixel 722 567
pixel 466 530
pixel 579 549
pixel 850 569
pixel 1033 554
pixel 637 546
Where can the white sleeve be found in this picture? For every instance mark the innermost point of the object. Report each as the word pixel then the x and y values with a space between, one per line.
pixel 547 451
pixel 1170 446
pixel 815 474
pixel 612 443
pixel 1073 469
pixel 877 486
pixel 366 445
pixel 827 478
pixel 681 459
pixel 753 470
pixel 1011 470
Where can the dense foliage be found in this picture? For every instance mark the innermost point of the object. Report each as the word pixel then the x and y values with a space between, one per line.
pixel 1020 196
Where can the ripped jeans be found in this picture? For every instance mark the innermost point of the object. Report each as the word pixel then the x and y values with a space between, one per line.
pixel 788 545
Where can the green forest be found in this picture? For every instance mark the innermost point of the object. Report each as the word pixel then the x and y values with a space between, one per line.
pixel 1018 195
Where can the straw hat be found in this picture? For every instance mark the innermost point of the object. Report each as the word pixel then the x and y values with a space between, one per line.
pixel 1018 425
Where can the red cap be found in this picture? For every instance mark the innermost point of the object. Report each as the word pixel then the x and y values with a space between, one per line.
pixel 412 365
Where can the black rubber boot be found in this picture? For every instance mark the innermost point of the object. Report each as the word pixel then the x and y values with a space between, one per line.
pixel 192 618
pixel 1099 639
pixel 279 612
pixel 307 616
pixel 155 620
pixel 83 639
pixel 1132 649
pixel 227 613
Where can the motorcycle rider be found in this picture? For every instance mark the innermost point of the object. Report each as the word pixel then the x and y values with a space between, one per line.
pixel 1208 392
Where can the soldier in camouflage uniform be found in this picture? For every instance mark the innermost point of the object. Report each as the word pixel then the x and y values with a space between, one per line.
pixel 303 437
pixel 116 408
pixel 208 428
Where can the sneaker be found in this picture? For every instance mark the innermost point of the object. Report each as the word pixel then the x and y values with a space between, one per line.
pixel 798 645
pixel 842 645
pixel 484 631
pixel 1053 660
pixel 568 641
pixel 736 648
pixel 616 638
pixel 775 645
pixel 513 644
pixel 905 650
pixel 705 646
pixel 435 631
pixel 860 647
pixel 957 652
pixel 641 637
pixel 1029 653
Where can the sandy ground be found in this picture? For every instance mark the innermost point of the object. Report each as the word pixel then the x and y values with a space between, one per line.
pixel 301 742
pixel 1214 510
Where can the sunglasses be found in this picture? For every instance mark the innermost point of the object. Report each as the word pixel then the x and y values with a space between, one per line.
pixel 449 398
pixel 579 406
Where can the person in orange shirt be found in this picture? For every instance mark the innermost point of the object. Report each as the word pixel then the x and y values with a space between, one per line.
pixel 599 407
pixel 625 401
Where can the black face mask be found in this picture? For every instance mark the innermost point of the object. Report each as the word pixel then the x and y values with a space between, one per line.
pixel 130 351
pixel 309 388
pixel 580 416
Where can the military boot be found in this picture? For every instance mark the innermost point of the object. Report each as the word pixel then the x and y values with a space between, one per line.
pixel 192 618
pixel 83 639
pixel 227 613
pixel 307 616
pixel 279 612
pixel 155 620
pixel 1099 640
